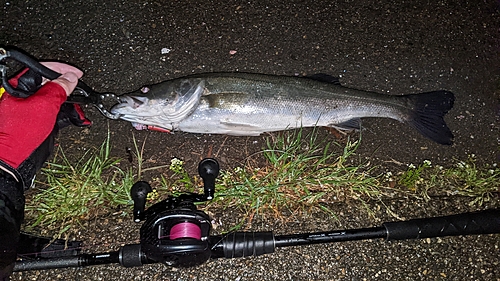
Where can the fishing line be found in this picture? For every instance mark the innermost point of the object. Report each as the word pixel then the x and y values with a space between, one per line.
pixel 185 230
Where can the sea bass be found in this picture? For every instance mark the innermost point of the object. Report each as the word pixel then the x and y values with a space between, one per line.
pixel 246 104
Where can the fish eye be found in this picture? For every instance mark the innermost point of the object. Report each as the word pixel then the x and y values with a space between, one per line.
pixel 175 94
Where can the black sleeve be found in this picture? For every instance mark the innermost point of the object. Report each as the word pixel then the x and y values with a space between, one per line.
pixel 11 217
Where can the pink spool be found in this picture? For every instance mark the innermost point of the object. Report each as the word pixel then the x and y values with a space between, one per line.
pixel 185 230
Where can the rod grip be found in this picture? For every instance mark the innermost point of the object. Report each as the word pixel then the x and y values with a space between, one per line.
pixel 63 262
pixel 245 244
pixel 483 222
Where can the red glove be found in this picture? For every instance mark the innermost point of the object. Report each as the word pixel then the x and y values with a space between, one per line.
pixel 27 123
pixel 27 130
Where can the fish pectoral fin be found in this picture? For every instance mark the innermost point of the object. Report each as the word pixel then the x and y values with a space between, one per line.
pixel 230 123
pixel 349 125
pixel 240 129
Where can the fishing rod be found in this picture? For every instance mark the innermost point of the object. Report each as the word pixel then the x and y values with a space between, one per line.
pixel 174 232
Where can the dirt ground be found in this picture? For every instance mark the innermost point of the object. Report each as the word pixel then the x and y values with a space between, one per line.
pixel 393 47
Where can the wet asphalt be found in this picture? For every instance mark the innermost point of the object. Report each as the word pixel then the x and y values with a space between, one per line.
pixel 393 47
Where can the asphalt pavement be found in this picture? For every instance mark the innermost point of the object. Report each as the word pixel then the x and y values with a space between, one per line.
pixel 393 47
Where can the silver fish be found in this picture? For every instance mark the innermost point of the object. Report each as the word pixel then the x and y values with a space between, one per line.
pixel 247 104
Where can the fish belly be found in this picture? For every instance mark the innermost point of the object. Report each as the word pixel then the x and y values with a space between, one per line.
pixel 253 121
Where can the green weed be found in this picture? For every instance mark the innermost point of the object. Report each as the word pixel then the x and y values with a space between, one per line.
pixel 301 172
pixel 178 183
pixel 73 192
pixel 413 174
pixel 464 179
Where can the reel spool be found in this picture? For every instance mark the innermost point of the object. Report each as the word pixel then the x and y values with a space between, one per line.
pixel 177 237
pixel 185 230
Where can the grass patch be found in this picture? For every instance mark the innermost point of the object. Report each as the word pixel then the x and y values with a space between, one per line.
pixel 179 183
pixel 73 192
pixel 94 185
pixel 299 172
pixel 463 179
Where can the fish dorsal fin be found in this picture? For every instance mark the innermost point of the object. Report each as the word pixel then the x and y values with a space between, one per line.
pixel 323 77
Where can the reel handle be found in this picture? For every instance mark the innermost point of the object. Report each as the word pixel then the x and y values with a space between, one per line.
pixel 208 170
pixel 139 193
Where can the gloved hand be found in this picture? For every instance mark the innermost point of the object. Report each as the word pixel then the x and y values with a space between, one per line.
pixel 25 124
pixel 27 130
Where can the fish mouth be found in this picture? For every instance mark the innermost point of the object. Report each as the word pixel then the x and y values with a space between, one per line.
pixel 133 107
pixel 132 101
pixel 122 108
pixel 127 102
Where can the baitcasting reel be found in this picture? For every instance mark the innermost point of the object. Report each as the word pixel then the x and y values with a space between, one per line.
pixel 174 231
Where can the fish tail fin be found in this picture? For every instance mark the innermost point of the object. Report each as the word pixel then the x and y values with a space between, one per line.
pixel 428 114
